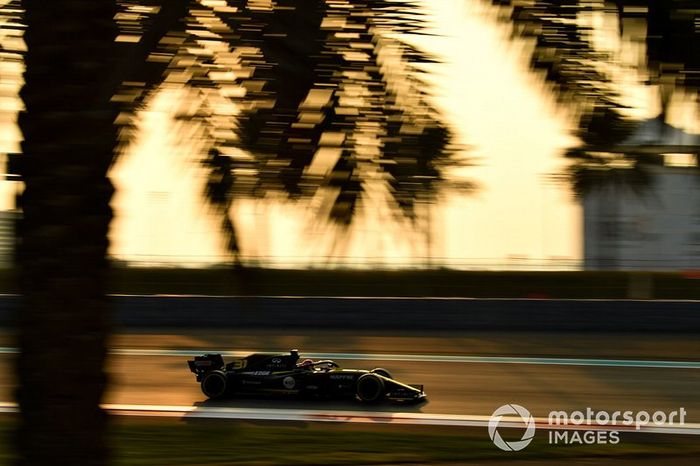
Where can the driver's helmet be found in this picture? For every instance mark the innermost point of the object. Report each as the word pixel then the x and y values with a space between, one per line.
pixel 306 364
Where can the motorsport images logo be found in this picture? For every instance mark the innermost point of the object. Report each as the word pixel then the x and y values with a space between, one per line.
pixel 512 410
pixel 583 427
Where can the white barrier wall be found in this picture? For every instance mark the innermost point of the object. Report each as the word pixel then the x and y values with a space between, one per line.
pixel 656 229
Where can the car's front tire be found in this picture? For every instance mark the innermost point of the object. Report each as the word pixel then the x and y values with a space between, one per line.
pixel 214 384
pixel 370 388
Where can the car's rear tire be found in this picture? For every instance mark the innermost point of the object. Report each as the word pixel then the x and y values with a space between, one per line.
pixel 383 372
pixel 370 388
pixel 214 384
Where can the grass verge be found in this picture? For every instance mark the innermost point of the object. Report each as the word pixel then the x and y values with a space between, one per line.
pixel 157 441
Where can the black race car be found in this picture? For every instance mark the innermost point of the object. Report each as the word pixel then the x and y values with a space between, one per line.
pixel 284 374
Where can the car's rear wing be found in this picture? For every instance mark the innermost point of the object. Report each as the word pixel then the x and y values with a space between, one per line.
pixel 200 365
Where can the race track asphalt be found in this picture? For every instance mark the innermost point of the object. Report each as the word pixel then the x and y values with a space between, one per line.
pixel 463 387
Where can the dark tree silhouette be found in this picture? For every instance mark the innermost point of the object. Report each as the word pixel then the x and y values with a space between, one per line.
pixel 73 70
pixel 563 51
pixel 69 140
pixel 673 40
pixel 310 78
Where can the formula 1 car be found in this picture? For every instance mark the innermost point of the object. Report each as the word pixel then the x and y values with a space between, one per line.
pixel 271 373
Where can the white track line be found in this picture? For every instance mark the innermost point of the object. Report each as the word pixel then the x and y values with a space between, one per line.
pixel 418 358
pixel 363 417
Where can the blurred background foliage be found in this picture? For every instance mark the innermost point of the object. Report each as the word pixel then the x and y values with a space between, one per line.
pixel 580 75
pixel 320 98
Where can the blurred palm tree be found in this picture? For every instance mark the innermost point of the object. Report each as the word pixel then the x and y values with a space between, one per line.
pixel 68 146
pixel 579 76
pixel 673 40
pixel 576 70
pixel 328 94
pixel 311 81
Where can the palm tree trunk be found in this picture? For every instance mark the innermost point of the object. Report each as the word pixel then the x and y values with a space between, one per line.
pixel 62 240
